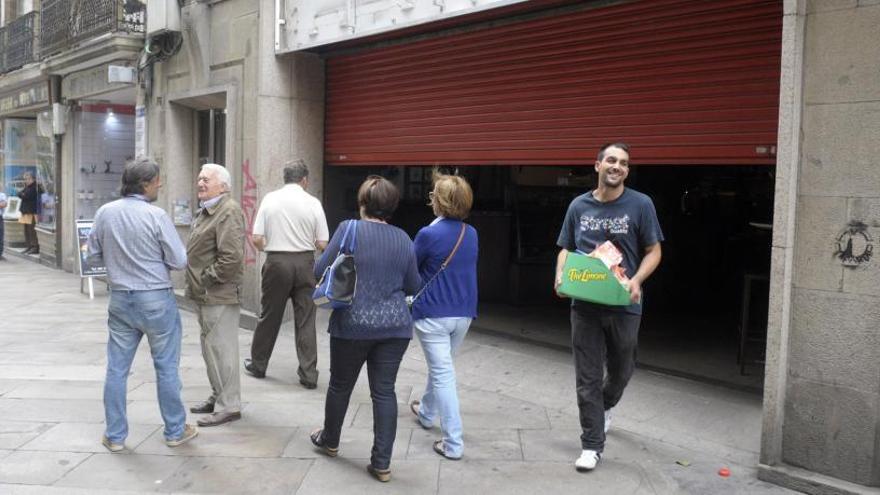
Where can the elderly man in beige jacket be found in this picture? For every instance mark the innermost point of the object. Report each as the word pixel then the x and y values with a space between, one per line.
pixel 213 274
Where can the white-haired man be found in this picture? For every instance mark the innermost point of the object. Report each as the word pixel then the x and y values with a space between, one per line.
pixel 213 274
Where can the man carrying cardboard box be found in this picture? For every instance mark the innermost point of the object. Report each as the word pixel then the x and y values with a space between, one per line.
pixel 607 335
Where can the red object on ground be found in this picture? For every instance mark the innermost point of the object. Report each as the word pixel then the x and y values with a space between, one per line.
pixel 724 472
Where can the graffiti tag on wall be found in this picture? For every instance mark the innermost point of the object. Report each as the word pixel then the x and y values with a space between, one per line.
pixel 855 245
pixel 249 206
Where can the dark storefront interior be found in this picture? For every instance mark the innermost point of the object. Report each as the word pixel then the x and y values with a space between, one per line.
pixel 519 105
pixel 716 220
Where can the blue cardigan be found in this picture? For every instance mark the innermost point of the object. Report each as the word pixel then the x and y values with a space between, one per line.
pixel 454 292
pixel 386 274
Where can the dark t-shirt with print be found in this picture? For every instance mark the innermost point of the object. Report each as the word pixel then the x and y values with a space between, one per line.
pixel 629 222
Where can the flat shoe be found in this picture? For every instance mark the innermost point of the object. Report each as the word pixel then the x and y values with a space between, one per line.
pixel 308 385
pixel 438 448
pixel 318 441
pixel 414 407
pixel 206 407
pixel 252 370
pixel 219 418
pixel 383 475
pixel 112 447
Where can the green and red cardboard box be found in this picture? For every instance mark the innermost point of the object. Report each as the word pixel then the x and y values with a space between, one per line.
pixel 588 279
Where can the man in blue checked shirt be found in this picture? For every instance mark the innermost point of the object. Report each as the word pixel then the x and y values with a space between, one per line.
pixel 138 244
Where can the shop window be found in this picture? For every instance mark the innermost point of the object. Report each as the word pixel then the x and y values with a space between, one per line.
pixel 105 143
pixel 25 150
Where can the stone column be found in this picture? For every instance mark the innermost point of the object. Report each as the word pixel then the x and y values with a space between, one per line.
pixel 822 393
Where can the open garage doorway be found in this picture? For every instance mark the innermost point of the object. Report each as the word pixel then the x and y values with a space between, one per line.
pixel 705 307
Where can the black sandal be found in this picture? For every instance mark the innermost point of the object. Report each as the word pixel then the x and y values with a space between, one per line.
pixel 318 441
pixel 438 448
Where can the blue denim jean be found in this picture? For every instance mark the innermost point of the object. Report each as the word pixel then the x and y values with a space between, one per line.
pixel 440 339
pixel 382 357
pixel 134 314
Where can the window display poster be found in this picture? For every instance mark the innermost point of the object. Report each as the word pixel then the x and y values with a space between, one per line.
pixel 83 229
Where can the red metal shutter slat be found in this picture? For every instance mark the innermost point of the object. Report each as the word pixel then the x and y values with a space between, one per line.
pixel 683 82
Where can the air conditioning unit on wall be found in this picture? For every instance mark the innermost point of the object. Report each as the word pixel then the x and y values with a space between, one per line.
pixel 162 16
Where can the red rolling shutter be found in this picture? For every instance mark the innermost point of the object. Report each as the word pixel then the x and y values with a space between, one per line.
pixel 683 81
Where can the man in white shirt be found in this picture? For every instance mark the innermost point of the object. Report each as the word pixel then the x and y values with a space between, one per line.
pixel 2 210
pixel 290 225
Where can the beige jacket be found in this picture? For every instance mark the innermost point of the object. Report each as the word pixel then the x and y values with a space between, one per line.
pixel 215 254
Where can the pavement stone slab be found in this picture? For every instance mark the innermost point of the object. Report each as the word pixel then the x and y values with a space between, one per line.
pixel 38 468
pixel 14 434
pixel 8 489
pixel 129 472
pixel 7 386
pixel 348 475
pixel 57 389
pixel 558 445
pixel 237 439
pixel 84 437
pixel 52 410
pixel 238 476
pixel 53 372
pixel 301 413
pixel 517 478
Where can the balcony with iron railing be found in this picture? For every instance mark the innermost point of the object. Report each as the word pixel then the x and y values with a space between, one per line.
pixel 18 42
pixel 66 23
pixel 62 25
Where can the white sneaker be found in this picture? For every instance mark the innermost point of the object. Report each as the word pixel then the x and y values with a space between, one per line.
pixel 607 420
pixel 587 461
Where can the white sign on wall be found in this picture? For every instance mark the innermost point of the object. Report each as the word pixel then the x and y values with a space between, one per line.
pixel 302 24
pixel 140 132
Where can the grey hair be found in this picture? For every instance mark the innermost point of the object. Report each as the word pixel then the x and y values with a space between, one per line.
pixel 295 172
pixel 137 173
pixel 221 172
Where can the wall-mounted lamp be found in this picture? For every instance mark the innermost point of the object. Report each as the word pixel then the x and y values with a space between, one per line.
pixel 406 5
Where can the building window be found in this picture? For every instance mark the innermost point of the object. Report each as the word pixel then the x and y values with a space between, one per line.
pixel 211 136
pixel 25 150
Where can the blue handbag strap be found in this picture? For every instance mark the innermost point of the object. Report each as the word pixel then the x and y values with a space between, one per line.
pixel 350 227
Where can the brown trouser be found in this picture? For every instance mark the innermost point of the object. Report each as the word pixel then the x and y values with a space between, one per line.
pixel 30 236
pixel 288 276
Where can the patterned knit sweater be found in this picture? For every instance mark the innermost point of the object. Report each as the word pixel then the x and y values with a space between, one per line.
pixel 386 274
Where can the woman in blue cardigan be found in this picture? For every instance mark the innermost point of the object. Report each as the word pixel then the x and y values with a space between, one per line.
pixel 376 328
pixel 443 311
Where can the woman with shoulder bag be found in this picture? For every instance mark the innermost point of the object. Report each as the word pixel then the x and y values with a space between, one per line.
pixel 447 255
pixel 376 328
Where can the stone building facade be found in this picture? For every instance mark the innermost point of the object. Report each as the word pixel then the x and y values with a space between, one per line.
pixel 822 389
pixel 821 431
